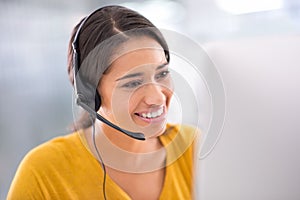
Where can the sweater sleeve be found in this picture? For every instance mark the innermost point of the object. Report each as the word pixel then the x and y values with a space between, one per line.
pixel 58 169
pixel 25 184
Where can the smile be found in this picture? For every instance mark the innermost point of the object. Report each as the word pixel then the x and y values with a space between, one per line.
pixel 151 115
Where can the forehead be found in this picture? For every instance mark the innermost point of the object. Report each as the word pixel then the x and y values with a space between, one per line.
pixel 135 53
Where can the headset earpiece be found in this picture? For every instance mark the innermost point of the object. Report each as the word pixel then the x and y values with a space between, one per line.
pixel 97 101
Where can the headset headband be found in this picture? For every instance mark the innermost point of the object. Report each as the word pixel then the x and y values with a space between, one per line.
pixel 84 91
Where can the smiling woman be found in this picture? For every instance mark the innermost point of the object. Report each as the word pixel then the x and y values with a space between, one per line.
pixel 138 87
pixel 118 63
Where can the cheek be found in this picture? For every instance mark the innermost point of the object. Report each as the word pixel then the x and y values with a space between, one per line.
pixel 135 99
pixel 105 96
pixel 169 94
pixel 120 103
pixel 170 85
pixel 168 89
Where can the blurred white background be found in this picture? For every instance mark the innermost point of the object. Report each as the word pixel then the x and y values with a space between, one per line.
pixel 36 97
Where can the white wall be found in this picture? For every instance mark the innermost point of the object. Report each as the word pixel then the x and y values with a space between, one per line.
pixel 257 156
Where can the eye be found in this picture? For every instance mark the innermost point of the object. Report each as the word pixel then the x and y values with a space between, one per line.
pixel 162 74
pixel 132 84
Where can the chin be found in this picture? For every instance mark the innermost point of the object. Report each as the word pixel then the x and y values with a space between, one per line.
pixel 152 130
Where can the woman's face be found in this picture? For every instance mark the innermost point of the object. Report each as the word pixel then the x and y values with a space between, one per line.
pixel 137 89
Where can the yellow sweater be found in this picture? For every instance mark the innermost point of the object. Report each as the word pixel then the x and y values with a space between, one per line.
pixel 64 168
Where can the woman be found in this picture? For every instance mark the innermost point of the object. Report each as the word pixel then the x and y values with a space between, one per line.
pixel 118 63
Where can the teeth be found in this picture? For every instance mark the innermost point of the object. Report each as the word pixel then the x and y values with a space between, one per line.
pixel 153 114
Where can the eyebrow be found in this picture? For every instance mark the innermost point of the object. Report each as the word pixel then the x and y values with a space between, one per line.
pixel 140 73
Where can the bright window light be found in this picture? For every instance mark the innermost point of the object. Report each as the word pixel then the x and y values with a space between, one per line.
pixel 237 7
pixel 160 12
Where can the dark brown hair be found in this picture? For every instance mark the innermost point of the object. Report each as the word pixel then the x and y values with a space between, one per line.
pixel 101 25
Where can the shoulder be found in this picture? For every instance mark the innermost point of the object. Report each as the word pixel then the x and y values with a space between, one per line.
pixel 180 142
pixel 180 132
pixel 41 164
pixel 52 151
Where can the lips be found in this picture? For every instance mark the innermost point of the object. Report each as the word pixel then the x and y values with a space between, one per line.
pixel 152 115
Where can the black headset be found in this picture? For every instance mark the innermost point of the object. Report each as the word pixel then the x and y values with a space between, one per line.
pixel 86 94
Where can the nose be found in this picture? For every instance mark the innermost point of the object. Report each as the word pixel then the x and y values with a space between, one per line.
pixel 154 94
